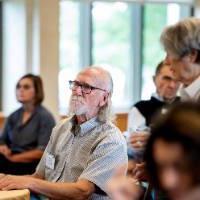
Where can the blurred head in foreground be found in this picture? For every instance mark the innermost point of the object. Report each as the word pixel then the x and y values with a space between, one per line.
pixel 172 152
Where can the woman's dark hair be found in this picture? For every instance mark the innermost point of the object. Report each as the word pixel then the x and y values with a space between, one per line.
pixel 181 125
pixel 38 86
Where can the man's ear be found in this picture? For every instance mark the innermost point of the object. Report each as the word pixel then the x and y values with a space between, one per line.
pixel 193 56
pixel 154 79
pixel 104 100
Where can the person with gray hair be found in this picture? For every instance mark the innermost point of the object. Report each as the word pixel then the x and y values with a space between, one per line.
pixel 182 45
pixel 83 150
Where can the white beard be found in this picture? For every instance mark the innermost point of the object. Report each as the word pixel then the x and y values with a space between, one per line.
pixel 76 105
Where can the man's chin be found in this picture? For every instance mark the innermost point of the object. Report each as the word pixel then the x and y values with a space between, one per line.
pixel 78 111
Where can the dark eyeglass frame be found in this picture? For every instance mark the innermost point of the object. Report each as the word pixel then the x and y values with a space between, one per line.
pixel 25 86
pixel 85 88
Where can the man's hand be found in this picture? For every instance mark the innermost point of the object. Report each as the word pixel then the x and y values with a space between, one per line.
pixel 123 188
pixel 5 150
pixel 139 172
pixel 138 140
pixel 9 182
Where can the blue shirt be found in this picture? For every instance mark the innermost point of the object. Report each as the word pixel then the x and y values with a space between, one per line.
pixel 34 134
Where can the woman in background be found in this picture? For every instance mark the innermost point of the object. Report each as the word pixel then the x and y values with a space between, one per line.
pixel 27 130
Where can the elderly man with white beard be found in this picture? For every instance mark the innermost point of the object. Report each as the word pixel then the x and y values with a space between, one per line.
pixel 84 149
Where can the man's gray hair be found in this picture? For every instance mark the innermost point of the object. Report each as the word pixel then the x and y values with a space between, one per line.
pixel 182 38
pixel 104 80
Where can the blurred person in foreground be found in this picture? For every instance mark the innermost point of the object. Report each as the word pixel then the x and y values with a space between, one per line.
pixel 27 130
pixel 172 152
pixel 83 150
pixel 172 157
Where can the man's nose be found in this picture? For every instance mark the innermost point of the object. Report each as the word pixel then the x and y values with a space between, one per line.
pixel 173 84
pixel 77 90
pixel 167 60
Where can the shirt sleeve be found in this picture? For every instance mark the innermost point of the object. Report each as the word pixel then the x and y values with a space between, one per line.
pixel 46 126
pixel 104 160
pixel 135 119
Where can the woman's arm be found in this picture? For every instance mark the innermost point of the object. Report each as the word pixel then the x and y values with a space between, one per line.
pixel 5 150
pixel 80 190
pixel 25 157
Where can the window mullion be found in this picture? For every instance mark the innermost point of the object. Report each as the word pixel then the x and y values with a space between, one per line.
pixel 85 34
pixel 136 50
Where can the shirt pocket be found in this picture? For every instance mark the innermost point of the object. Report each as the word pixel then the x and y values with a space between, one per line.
pixel 55 173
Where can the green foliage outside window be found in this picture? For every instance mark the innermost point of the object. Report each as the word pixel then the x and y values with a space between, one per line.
pixel 154 20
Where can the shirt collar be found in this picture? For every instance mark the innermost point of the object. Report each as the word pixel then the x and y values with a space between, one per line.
pixel 159 98
pixel 85 127
pixel 155 95
pixel 192 90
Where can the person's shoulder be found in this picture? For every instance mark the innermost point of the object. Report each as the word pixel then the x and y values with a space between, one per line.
pixel 44 112
pixel 15 114
pixel 143 103
pixel 177 99
pixel 62 127
pixel 110 126
pixel 64 123
pixel 111 132
pixel 153 100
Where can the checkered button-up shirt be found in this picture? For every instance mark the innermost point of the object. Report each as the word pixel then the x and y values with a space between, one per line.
pixel 91 151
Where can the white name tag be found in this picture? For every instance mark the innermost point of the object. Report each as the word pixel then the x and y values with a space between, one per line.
pixel 50 161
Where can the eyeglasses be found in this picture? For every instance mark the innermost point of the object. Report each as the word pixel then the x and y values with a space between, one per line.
pixel 85 88
pixel 25 86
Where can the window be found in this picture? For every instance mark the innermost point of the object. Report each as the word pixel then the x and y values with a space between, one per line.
pixel 1 55
pixel 69 49
pixel 152 52
pixel 111 46
pixel 121 36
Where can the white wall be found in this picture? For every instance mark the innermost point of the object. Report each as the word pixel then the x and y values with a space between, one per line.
pixel 30 40
pixel 14 50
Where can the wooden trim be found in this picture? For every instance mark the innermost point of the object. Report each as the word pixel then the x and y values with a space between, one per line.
pixel 121 121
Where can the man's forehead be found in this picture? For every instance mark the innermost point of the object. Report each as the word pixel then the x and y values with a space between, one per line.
pixel 86 77
pixel 94 77
pixel 166 70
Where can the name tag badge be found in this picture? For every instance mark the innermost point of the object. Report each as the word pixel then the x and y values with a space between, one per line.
pixel 50 161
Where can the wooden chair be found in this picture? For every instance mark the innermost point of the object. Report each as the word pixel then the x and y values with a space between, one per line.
pixel 2 121
pixel 121 121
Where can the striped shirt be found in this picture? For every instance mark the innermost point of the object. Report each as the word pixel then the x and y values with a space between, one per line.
pixel 90 151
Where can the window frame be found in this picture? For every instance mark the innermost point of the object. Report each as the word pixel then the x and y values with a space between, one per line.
pixel 137 8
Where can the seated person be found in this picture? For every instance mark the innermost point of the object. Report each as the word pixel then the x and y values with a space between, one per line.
pixel 140 116
pixel 171 156
pixel 27 130
pixel 83 150
pixel 166 89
